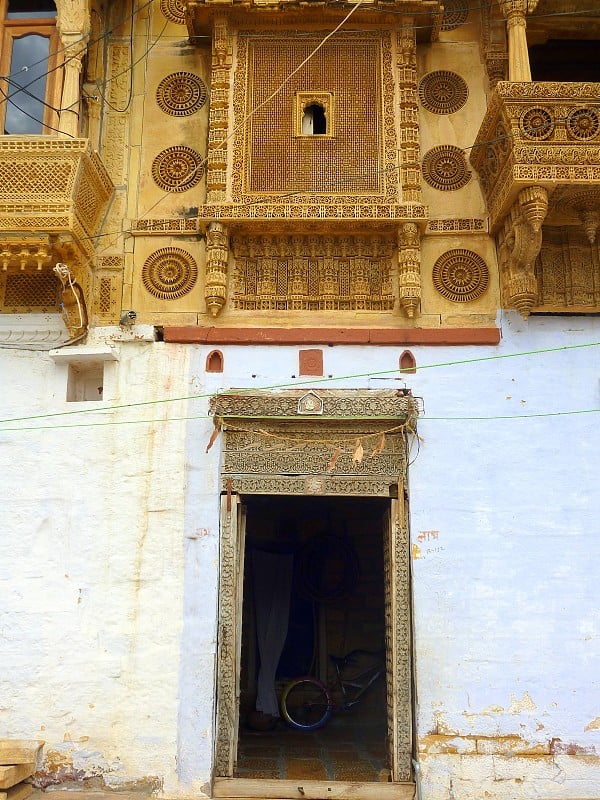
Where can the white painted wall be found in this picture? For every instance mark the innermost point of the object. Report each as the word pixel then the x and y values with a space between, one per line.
pixel 110 544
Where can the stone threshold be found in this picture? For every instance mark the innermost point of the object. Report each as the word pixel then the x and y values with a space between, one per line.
pixel 310 790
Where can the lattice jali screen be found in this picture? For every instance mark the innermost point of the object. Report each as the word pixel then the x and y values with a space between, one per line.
pixel 35 179
pixel 313 274
pixel 568 271
pixel 349 162
pixel 27 292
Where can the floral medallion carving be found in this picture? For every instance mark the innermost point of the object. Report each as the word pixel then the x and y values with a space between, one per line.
pixel 169 273
pixel 177 169
pixel 460 275
pixel 174 10
pixel 445 168
pixel 181 94
pixel 537 123
pixel 455 14
pixel 443 92
pixel 583 123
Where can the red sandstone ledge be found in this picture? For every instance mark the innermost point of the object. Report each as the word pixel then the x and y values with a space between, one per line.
pixel 191 334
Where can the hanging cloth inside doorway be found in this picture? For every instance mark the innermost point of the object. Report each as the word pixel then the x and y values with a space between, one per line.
pixel 272 589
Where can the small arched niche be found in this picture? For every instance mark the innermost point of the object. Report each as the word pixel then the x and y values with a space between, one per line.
pixel 408 363
pixel 214 361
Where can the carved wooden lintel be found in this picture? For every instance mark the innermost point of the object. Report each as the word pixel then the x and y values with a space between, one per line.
pixel 217 255
pixel 519 243
pixel 409 268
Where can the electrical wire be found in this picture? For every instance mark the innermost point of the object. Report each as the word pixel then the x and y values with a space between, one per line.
pixel 130 69
pixel 308 381
pixel 196 417
pixel 82 39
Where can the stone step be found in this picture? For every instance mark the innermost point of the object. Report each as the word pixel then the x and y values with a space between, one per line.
pixel 19 751
pixel 15 773
pixel 18 792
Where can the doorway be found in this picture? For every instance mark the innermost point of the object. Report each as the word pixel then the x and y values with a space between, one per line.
pixel 293 474
pixel 332 551
pixel 363 603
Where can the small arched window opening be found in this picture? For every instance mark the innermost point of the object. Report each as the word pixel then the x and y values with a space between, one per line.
pixel 214 361
pixel 408 363
pixel 314 120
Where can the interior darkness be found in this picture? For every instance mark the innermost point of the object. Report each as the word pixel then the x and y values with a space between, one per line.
pixel 337 605
pixel 565 60
pixel 319 120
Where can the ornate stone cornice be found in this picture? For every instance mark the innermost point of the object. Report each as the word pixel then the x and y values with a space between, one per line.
pixel 382 13
pixel 388 404
pixel 542 134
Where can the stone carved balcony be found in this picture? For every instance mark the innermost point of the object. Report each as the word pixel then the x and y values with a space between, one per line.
pixel 53 196
pixel 52 201
pixel 537 155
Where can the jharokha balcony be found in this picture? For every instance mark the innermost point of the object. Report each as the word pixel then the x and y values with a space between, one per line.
pixel 538 159
pixel 54 190
pixel 52 201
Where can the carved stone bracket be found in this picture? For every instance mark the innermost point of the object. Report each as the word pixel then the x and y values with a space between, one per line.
pixel 217 255
pixel 409 268
pixel 519 243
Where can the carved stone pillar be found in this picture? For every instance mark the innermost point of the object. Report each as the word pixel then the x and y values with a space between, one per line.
pixel 519 244
pixel 409 268
pixel 518 55
pixel 410 157
pixel 217 256
pixel 216 174
pixel 73 24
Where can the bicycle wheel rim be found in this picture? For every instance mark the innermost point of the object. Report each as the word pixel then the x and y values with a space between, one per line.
pixel 306 704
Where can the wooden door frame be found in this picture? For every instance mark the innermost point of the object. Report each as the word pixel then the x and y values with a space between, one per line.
pixel 246 470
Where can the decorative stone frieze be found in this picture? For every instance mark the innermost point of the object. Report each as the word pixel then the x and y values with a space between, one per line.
pixel 169 273
pixel 177 169
pixel 455 14
pixel 174 10
pixel 460 275
pixel 443 92
pixel 445 168
pixel 181 94
pixel 313 273
pixel 568 271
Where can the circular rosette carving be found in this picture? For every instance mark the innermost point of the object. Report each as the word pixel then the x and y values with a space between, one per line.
pixel 537 123
pixel 455 14
pixel 177 169
pixel 460 275
pixel 169 273
pixel 445 168
pixel 583 123
pixel 181 94
pixel 443 92
pixel 173 10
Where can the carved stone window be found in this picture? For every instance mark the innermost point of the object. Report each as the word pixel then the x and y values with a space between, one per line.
pixel 28 46
pixel 313 114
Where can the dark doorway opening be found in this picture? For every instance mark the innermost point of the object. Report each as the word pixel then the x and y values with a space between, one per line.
pixel 335 546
